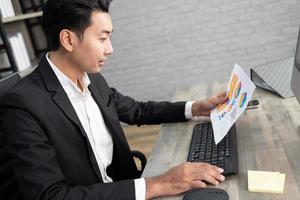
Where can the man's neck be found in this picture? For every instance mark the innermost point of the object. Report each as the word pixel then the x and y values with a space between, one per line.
pixel 66 67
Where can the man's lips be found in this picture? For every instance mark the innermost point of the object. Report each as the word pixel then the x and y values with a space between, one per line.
pixel 102 62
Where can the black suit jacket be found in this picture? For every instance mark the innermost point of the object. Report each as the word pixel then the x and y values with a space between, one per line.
pixel 53 158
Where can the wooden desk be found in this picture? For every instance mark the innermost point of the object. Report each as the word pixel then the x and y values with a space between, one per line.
pixel 268 139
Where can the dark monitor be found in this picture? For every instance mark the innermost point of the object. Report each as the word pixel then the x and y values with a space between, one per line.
pixel 295 82
pixel 8 82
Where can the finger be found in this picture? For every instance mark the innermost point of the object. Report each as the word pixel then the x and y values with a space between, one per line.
pixel 196 166
pixel 201 165
pixel 222 94
pixel 199 184
pixel 214 167
pixel 207 177
pixel 212 170
pixel 214 101
pixel 221 100
pixel 216 173
pixel 218 169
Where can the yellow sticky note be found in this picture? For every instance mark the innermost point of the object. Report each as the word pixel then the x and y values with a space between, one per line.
pixel 282 180
pixel 263 181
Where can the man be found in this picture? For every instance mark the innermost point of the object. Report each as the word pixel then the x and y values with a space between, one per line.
pixel 62 120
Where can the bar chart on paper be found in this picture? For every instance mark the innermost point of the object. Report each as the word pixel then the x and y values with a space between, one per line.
pixel 239 92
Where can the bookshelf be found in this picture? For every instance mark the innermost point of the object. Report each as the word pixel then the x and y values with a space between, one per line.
pixel 22 39
pixel 6 46
pixel 21 17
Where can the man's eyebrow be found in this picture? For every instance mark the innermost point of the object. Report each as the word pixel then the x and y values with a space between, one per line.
pixel 107 32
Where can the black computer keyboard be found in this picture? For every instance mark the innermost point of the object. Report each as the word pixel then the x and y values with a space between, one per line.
pixel 204 149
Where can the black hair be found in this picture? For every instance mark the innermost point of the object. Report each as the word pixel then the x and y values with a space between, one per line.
pixel 74 15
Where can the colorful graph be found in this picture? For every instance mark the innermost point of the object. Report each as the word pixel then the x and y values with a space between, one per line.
pixel 243 99
pixel 237 90
pixel 235 95
pixel 232 85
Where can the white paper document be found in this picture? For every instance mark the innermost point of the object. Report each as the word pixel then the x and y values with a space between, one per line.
pixel 239 91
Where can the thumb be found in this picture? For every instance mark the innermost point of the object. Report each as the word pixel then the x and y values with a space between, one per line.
pixel 222 99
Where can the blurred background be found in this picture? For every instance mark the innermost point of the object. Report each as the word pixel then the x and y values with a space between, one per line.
pixel 163 45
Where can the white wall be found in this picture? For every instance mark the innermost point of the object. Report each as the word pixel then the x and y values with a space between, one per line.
pixel 161 45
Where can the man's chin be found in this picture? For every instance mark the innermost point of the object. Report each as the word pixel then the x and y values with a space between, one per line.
pixel 95 70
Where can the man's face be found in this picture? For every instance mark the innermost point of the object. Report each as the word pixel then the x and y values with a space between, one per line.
pixel 91 53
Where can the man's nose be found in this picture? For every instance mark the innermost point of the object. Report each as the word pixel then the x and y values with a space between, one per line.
pixel 108 49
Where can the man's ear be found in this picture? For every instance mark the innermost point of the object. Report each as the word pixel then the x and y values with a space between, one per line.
pixel 67 39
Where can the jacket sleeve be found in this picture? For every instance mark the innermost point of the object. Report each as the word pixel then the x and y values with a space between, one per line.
pixel 134 112
pixel 36 166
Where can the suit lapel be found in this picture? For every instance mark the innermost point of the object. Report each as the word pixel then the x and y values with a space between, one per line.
pixel 62 101
pixel 59 95
pixel 103 105
pixel 97 95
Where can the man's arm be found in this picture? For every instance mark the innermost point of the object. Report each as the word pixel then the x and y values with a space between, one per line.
pixel 134 112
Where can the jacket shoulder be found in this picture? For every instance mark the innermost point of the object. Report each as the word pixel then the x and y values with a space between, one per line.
pixel 27 91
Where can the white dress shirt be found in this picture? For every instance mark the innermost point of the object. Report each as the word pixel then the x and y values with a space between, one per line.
pixel 92 121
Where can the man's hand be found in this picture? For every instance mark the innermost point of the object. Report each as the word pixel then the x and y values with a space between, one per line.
pixel 182 178
pixel 203 107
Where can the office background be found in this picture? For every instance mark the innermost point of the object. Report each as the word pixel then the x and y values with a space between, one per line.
pixel 162 45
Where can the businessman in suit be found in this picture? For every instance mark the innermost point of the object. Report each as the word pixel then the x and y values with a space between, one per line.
pixel 63 120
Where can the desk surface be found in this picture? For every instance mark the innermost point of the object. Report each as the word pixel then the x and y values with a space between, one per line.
pixel 268 139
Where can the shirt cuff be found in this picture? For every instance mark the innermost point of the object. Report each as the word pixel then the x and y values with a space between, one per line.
pixel 188 110
pixel 140 189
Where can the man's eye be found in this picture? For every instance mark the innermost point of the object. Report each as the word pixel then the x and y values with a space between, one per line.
pixel 102 39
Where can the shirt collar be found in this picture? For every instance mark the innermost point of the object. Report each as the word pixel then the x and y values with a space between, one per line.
pixel 67 84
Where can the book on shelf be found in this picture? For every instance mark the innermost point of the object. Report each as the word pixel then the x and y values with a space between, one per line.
pixel 4 62
pixel 2 9
pixel 19 51
pixel 10 7
pixel 6 8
